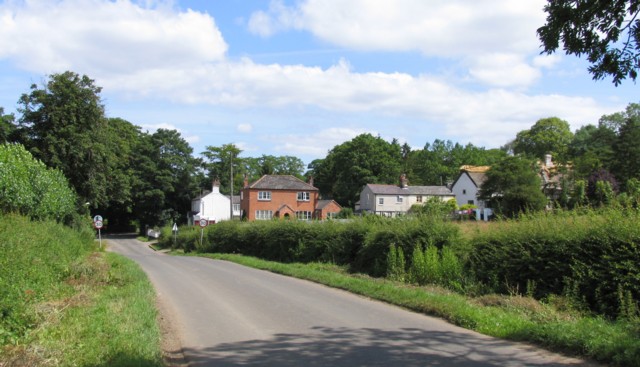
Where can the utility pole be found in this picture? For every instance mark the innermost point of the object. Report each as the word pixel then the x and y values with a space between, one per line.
pixel 231 186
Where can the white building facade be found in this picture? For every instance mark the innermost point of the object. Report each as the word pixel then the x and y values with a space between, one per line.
pixel 213 206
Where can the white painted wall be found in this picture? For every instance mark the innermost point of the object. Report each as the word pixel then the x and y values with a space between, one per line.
pixel 213 206
pixel 464 189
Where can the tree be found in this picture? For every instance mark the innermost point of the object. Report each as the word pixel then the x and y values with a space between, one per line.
pixel 513 186
pixel 626 149
pixel 164 171
pixel 62 124
pixel 353 164
pixel 219 161
pixel 6 126
pixel 607 32
pixel 547 136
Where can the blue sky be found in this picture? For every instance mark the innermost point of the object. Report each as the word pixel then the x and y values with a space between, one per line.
pixel 299 77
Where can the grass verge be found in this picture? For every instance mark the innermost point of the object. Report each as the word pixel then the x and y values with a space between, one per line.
pixel 513 318
pixel 107 318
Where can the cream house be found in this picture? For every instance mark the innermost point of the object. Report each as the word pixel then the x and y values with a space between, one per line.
pixel 467 187
pixel 394 200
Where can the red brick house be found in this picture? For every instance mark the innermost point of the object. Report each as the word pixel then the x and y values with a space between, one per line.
pixel 279 196
pixel 327 209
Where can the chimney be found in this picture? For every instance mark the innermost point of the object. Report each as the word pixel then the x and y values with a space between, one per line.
pixel 404 183
pixel 216 186
pixel 547 160
pixel 246 181
pixel 311 180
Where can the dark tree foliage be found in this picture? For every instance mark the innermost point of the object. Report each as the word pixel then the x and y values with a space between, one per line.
pixel 218 165
pixel 351 165
pixel 63 125
pixel 513 186
pixel 607 32
pixel 596 191
pixel 627 148
pixel 6 126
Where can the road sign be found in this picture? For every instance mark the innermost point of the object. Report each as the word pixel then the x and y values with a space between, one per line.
pixel 175 227
pixel 203 222
pixel 98 224
pixel 97 218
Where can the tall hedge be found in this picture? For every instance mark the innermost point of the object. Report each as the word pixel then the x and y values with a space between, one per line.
pixel 593 257
pixel 29 188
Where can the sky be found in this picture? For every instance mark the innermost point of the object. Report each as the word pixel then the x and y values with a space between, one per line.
pixel 278 77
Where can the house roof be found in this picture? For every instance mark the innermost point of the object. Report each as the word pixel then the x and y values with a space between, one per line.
pixel 281 182
pixel 322 203
pixel 204 193
pixel 478 178
pixel 477 174
pixel 411 190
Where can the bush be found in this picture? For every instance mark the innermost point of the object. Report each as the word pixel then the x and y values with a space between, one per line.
pixel 29 188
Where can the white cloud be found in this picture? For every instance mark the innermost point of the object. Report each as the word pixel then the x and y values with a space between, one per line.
pixel 316 143
pixel 244 128
pixel 156 127
pixel 104 37
pixel 503 70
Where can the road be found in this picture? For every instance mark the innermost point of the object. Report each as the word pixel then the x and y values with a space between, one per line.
pixel 226 314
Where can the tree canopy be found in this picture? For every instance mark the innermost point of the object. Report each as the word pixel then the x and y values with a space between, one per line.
pixel 547 136
pixel 607 32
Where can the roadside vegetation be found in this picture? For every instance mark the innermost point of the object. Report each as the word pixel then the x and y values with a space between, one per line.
pixel 65 304
pixel 568 281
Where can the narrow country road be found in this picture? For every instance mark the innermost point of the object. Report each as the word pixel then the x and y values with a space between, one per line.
pixel 230 315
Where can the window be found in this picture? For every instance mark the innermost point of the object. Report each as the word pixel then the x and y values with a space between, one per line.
pixel 332 215
pixel 264 195
pixel 470 202
pixel 303 196
pixel 399 199
pixel 464 191
pixel 236 207
pixel 264 214
pixel 380 201
pixel 419 199
pixel 303 215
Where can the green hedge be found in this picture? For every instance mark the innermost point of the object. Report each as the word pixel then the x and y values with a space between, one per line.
pixel 29 188
pixel 361 243
pixel 592 257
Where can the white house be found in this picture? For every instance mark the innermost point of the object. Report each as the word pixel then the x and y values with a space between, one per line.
pixel 467 186
pixel 214 206
pixel 392 200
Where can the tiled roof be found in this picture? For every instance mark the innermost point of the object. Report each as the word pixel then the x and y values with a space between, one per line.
pixel 281 182
pixel 411 190
pixel 322 203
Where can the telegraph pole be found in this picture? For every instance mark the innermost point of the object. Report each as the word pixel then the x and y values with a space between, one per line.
pixel 231 186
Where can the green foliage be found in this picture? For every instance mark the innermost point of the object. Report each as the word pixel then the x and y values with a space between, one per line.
pixel 513 187
pixel 349 166
pixel 29 188
pixel 35 259
pixel 6 126
pixel 592 257
pixel 607 32
pixel 434 206
pixel 396 264
pixel 547 136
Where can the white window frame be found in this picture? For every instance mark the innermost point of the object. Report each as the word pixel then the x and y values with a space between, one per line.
pixel 304 215
pixel 304 196
pixel 264 195
pixel 264 214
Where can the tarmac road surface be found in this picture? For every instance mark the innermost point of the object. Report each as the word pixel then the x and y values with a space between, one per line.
pixel 224 314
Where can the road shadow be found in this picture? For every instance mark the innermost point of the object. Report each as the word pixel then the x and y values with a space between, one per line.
pixel 324 346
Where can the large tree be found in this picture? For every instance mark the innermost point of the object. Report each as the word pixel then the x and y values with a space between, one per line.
pixel 513 186
pixel 351 165
pixel 6 126
pixel 63 125
pixel 547 136
pixel 607 32
pixel 219 161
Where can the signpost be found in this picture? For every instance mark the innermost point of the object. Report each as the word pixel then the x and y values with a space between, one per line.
pixel 97 224
pixel 203 223
pixel 175 233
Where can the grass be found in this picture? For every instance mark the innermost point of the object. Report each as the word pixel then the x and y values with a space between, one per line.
pixel 73 306
pixel 508 317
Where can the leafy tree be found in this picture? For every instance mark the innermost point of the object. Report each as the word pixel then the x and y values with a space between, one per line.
pixel 602 186
pixel 547 136
pixel 272 165
pixel 6 126
pixel 218 165
pixel 592 149
pixel 62 124
pixel 607 32
pixel 626 148
pixel 513 186
pixel 164 171
pixel 353 164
